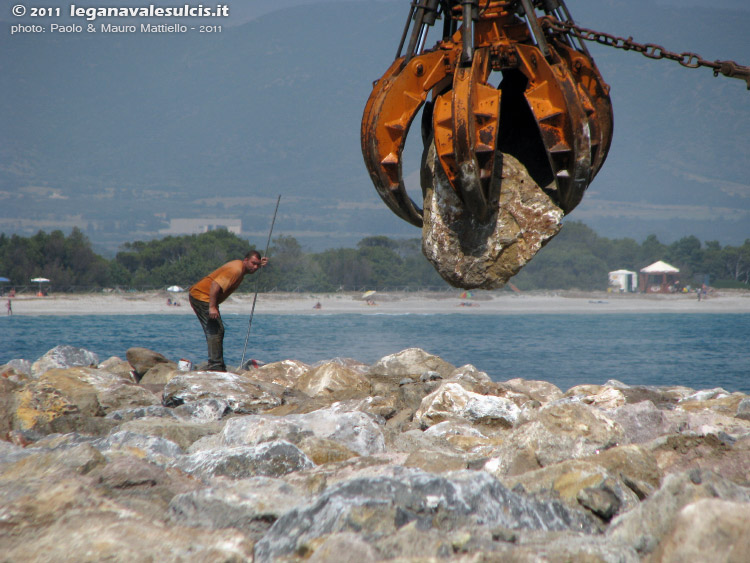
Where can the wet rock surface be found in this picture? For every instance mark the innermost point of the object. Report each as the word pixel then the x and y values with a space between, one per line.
pixel 472 253
pixel 410 458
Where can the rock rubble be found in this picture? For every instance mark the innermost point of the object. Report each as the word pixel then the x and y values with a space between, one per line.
pixel 409 459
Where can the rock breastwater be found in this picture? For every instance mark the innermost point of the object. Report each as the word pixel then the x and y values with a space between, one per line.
pixel 409 459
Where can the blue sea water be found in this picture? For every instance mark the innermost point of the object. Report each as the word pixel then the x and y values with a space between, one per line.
pixel 699 351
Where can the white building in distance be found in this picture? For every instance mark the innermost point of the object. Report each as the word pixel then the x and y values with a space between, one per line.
pixel 201 225
pixel 623 281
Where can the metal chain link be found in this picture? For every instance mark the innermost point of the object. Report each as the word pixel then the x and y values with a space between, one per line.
pixel 650 50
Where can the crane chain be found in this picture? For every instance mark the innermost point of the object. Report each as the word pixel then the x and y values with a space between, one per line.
pixel 689 60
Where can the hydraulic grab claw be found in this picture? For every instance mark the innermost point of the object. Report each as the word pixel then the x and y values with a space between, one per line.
pixel 551 110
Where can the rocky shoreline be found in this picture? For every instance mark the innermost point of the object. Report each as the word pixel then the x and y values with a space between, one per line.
pixel 407 459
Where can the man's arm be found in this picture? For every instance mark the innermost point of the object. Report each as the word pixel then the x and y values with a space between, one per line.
pixel 213 300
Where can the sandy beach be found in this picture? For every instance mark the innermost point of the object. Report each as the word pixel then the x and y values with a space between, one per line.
pixel 497 302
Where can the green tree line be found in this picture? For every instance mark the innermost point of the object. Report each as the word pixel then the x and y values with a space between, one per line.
pixel 577 258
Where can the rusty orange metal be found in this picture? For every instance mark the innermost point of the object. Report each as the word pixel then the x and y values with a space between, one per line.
pixel 465 122
pixel 544 74
pixel 395 100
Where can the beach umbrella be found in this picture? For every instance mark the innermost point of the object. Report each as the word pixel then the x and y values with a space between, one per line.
pixel 175 288
pixel 4 280
pixel 370 293
pixel 40 281
pixel 467 295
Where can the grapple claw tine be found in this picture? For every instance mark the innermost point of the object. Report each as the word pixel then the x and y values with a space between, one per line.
pixel 554 100
pixel 465 122
pixel 594 94
pixel 390 110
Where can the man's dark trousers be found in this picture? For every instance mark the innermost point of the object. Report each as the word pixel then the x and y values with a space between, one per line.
pixel 214 330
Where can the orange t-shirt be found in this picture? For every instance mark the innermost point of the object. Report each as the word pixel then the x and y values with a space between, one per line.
pixel 229 277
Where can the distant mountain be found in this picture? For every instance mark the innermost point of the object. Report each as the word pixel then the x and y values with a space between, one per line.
pixel 119 133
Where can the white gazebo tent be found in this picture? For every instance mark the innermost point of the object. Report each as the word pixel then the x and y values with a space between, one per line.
pixel 623 281
pixel 659 277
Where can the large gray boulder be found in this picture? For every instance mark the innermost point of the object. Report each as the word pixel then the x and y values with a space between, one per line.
pixel 429 501
pixel 607 484
pixel 558 431
pixel 68 520
pixel 712 526
pixel 647 524
pixel 743 409
pixel 251 505
pixel 39 463
pixel 156 449
pixel 160 374
pixel 451 401
pixel 541 391
pixel 203 410
pixel 355 430
pixel 239 392
pixel 143 359
pixel 132 413
pixel 64 356
pixel 720 453
pixel 251 430
pixel 284 372
pixel 55 397
pixel 113 391
pixel 411 363
pixel 119 367
pixel 270 459
pixel 181 432
pixel 471 252
pixel 11 453
pixel 16 367
pixel 7 405
pixel 144 487
pixel 641 421
pixel 331 377
pixel 67 399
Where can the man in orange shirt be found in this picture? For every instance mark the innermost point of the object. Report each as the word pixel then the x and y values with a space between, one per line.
pixel 210 292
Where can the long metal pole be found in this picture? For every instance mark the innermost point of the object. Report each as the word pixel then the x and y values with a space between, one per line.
pixel 252 311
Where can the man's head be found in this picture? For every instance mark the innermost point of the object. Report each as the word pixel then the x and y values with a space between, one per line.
pixel 252 261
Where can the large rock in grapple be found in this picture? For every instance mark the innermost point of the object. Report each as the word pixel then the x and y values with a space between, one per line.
pixel 470 253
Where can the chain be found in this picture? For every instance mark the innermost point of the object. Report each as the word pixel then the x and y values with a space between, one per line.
pixel 650 50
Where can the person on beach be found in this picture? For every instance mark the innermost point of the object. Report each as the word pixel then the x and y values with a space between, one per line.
pixel 10 308
pixel 212 291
